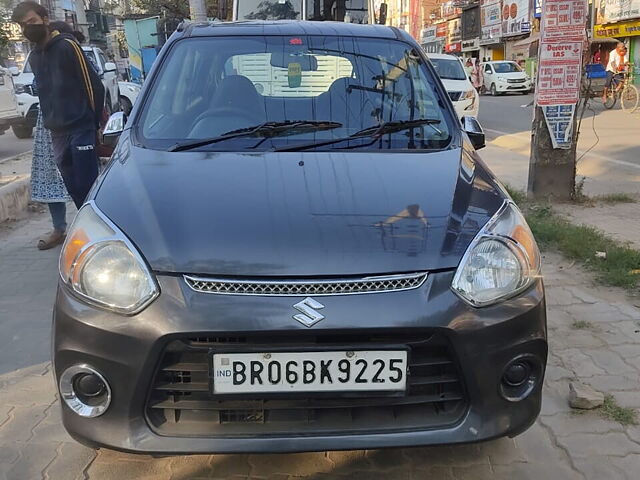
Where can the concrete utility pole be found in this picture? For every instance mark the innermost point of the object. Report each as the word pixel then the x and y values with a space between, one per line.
pixel 552 164
pixel 198 10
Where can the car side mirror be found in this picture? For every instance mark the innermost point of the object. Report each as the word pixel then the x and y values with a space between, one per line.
pixel 15 71
pixel 474 131
pixel 113 129
pixel 110 67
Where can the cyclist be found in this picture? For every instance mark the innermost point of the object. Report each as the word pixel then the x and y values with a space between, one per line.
pixel 617 66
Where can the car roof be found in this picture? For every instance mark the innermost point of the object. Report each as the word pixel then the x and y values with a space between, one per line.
pixel 443 56
pixel 501 61
pixel 289 27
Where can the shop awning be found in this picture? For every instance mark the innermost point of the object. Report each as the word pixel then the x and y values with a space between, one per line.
pixel 527 41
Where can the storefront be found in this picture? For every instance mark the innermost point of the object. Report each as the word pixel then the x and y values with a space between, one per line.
pixel 490 42
pixel 471 48
pixel 616 21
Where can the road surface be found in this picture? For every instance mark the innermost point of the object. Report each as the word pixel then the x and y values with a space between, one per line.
pixel 610 136
pixel 10 145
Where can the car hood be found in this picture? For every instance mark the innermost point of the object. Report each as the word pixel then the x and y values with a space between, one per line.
pixel 457 85
pixel 24 78
pixel 297 213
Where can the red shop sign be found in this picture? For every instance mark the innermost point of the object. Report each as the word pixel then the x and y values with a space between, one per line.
pixel 453 47
pixel 442 30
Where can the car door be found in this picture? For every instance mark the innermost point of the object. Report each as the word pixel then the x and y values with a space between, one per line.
pixel 110 79
pixel 488 75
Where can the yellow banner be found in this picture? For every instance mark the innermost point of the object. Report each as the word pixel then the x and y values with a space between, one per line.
pixel 622 29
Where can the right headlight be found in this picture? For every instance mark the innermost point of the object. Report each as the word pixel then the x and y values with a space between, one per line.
pixel 100 265
pixel 19 88
pixel 501 261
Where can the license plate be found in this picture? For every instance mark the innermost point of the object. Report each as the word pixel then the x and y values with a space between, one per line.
pixel 338 371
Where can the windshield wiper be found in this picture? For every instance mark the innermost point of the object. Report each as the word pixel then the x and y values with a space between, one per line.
pixel 374 131
pixel 266 129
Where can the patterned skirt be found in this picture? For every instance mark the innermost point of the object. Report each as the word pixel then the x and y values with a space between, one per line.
pixel 47 185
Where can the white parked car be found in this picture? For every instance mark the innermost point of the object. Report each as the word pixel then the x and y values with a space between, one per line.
pixel 108 72
pixel 454 77
pixel 28 100
pixel 8 108
pixel 129 92
pixel 503 77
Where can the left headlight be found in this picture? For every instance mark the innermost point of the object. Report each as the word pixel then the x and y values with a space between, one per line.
pixel 101 265
pixel 501 261
pixel 19 88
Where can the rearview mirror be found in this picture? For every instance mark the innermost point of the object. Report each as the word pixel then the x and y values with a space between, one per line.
pixel 474 131
pixel 110 67
pixel 15 71
pixel 113 129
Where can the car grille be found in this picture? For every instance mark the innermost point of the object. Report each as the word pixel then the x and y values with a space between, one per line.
pixel 516 80
pixel 316 287
pixel 180 402
pixel 454 96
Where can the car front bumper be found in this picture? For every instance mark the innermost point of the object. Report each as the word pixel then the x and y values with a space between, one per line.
pixel 127 351
pixel 513 87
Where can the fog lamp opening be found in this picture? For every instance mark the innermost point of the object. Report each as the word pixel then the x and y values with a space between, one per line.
pixel 519 377
pixel 85 391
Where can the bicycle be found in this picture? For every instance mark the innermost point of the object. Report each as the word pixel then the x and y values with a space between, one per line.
pixel 625 90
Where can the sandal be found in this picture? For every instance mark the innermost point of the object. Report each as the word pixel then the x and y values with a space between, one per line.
pixel 53 239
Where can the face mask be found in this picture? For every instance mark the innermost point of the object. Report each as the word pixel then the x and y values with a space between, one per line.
pixel 36 33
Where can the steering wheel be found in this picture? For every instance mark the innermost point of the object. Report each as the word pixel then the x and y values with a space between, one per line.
pixel 225 111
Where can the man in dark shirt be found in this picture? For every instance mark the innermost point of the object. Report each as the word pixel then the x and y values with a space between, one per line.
pixel 71 98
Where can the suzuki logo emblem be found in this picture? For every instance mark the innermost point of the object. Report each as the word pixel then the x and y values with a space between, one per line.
pixel 308 315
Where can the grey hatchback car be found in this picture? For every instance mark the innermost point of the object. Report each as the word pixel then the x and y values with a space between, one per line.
pixel 296 247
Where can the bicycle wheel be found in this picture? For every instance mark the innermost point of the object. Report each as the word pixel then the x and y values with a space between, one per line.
pixel 611 98
pixel 629 98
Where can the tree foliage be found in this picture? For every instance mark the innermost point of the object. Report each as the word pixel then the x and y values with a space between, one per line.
pixel 5 17
pixel 273 10
pixel 173 8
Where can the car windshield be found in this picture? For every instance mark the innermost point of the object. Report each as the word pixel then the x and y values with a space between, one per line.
pixel 506 67
pixel 448 69
pixel 270 92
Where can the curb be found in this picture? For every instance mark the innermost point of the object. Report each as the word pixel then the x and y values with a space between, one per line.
pixel 14 197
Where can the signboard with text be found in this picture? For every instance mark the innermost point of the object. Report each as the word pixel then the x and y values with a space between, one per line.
pixel 490 21
pixel 622 29
pixel 559 73
pixel 562 39
pixel 563 18
pixel 428 34
pixel 616 10
pixel 454 29
pixel 514 14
